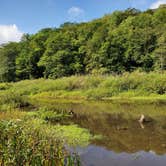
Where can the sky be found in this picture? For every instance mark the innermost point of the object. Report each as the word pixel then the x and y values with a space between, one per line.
pixel 29 16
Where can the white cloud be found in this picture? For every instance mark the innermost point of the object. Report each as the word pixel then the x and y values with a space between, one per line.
pixel 75 13
pixel 156 4
pixel 9 33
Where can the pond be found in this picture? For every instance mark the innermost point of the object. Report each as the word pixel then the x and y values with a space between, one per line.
pixel 124 141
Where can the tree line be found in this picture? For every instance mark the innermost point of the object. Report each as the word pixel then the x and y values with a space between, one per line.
pixel 122 41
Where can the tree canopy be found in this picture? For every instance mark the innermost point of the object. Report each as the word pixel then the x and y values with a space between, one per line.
pixel 118 42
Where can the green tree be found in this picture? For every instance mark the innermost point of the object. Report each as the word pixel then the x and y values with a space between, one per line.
pixel 8 53
pixel 160 53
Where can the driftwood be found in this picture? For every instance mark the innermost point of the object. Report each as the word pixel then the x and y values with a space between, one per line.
pixel 142 119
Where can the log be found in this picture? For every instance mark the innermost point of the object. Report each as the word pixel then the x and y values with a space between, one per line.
pixel 142 119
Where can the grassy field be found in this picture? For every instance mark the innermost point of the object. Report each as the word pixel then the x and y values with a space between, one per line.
pixel 33 134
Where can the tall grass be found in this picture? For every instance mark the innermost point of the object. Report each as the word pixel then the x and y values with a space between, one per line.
pixel 138 81
pixel 12 99
pixel 96 87
pixel 29 144
pixel 4 86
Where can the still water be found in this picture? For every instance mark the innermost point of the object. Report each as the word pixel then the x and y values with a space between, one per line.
pixel 124 142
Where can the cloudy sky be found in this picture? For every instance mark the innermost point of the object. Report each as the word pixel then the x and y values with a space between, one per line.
pixel 29 16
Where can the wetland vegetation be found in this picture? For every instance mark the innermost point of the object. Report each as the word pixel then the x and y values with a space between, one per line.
pixel 69 94
pixel 40 120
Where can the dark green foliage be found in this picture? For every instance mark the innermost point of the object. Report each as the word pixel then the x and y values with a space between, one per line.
pixel 122 41
pixel 8 55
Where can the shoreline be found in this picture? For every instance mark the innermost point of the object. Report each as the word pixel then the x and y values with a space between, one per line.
pixel 113 100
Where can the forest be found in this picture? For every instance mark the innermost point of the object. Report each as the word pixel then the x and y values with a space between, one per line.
pixel 123 41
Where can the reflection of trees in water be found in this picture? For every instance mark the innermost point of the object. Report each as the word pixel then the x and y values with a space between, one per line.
pixel 125 135
pixel 119 125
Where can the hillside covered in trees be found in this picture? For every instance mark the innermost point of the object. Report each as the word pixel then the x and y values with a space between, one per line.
pixel 122 41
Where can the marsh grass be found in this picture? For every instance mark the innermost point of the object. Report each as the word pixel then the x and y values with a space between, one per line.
pixel 12 99
pixel 5 86
pixel 95 87
pixel 14 114
pixel 49 114
pixel 33 142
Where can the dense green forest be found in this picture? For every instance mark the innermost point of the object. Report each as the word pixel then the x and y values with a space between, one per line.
pixel 122 41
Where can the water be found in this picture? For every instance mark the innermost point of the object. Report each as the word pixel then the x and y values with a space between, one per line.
pixel 99 156
pixel 124 142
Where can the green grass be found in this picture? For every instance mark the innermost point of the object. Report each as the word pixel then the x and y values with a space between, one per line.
pixel 128 85
pixel 136 86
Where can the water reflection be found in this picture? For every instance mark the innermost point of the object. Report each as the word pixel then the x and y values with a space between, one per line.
pixel 119 126
pixel 98 156
pixel 124 141
pixel 124 135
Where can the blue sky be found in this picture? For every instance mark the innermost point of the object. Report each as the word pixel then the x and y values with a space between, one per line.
pixel 29 16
